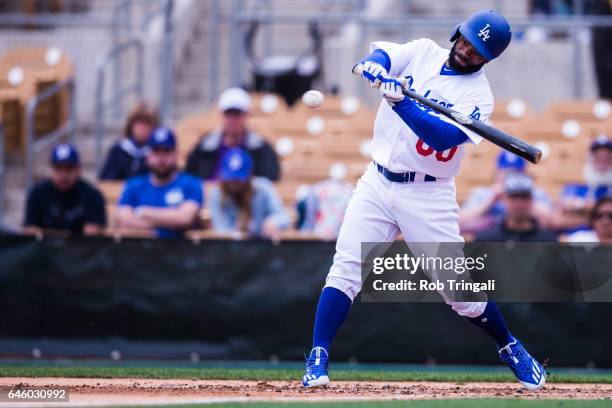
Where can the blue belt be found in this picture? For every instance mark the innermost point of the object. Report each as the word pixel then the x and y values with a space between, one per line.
pixel 407 177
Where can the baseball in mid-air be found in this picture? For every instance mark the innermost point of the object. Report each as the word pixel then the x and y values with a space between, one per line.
pixel 313 98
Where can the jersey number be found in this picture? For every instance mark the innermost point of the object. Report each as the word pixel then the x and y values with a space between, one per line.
pixel 425 150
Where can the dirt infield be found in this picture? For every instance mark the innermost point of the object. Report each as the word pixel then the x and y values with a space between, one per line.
pixel 92 391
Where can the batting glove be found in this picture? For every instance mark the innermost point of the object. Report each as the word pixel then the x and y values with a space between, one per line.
pixel 373 73
pixel 391 90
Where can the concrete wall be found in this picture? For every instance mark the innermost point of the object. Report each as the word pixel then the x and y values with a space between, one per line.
pixel 539 73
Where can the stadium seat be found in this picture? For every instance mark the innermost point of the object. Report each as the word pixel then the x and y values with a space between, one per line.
pixel 111 190
pixel 581 110
pixel 547 128
pixel 563 164
pixel 13 99
pixel 267 105
pixel 511 110
pixel 42 67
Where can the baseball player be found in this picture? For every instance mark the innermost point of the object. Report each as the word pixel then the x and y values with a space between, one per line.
pixel 409 187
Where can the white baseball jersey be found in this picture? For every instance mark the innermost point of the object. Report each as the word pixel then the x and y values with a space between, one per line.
pixel 421 62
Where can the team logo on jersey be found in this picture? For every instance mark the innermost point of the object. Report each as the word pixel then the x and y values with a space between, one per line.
pixel 235 162
pixel 174 196
pixel 475 113
pixel 484 33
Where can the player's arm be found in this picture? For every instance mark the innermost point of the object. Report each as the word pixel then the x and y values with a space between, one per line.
pixel 180 217
pixel 387 58
pixel 437 133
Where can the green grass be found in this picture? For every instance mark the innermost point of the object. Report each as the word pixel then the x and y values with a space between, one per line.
pixel 455 403
pixel 279 374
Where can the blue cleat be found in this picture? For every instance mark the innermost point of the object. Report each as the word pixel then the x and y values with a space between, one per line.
pixel 316 368
pixel 526 369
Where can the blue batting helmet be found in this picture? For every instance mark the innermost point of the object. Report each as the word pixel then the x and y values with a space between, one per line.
pixel 487 31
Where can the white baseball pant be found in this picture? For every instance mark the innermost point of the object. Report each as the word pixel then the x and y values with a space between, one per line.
pixel 379 210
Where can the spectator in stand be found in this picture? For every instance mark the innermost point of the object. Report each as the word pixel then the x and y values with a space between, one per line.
pixel 484 207
pixel 601 224
pixel 127 156
pixel 577 200
pixel 65 202
pixel 164 200
pixel 598 169
pixel 243 203
pixel 550 7
pixel 205 159
pixel 518 223
pixel 321 206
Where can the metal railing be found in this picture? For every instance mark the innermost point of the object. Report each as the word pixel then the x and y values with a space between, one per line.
pixel 123 24
pixel 167 63
pixel 51 20
pixel 135 87
pixel 122 20
pixel 38 143
pixel 213 44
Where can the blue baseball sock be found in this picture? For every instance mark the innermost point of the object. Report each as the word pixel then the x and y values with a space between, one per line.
pixel 332 310
pixel 492 322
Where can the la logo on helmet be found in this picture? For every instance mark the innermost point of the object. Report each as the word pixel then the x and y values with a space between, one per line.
pixel 484 33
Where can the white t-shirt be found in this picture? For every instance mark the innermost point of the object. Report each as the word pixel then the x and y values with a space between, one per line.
pixel 421 62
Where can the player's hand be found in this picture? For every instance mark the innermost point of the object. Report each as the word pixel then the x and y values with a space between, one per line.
pixel 391 90
pixel 373 73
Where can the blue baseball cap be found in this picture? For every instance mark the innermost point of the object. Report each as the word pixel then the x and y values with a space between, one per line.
pixel 487 31
pixel 601 141
pixel 162 138
pixel 236 165
pixel 510 161
pixel 65 154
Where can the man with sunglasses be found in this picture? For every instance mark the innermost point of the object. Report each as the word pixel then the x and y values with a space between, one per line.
pixel 204 160
pixel 602 219
pixel 601 224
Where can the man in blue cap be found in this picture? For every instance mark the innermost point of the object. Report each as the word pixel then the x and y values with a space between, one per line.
pixel 164 200
pixel 65 202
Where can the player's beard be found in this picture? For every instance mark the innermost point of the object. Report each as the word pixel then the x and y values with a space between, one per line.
pixel 458 68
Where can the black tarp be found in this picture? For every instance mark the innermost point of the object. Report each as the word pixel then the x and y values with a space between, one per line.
pixel 251 300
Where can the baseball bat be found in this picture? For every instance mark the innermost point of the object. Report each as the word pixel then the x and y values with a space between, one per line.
pixel 501 139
